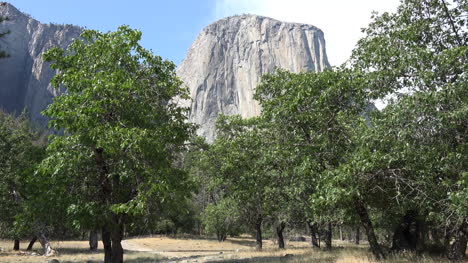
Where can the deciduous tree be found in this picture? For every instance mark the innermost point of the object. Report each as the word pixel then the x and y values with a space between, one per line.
pixel 122 128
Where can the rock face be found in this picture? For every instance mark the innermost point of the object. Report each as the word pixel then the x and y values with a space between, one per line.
pixel 226 61
pixel 222 68
pixel 24 76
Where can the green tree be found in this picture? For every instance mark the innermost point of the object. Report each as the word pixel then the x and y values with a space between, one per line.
pixel 20 152
pixel 3 54
pixel 240 167
pixel 419 56
pixel 314 115
pixel 122 130
pixel 221 218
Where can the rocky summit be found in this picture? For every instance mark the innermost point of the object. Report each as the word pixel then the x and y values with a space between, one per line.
pixel 226 61
pixel 222 67
pixel 24 76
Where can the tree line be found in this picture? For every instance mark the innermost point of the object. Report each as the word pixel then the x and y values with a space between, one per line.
pixel 125 161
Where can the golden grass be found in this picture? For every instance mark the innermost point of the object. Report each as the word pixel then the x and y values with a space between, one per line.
pixel 68 252
pixel 164 249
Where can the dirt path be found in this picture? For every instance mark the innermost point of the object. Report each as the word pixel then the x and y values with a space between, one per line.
pixel 186 256
pixel 199 250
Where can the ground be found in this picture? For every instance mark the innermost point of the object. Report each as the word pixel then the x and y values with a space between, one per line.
pixel 190 250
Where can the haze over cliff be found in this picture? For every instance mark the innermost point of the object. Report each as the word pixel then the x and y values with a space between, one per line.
pixel 24 76
pixel 227 59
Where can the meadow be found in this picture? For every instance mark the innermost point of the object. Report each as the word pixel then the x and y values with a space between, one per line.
pixel 192 249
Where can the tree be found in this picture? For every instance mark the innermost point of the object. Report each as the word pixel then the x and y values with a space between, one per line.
pixel 418 55
pixel 20 152
pixel 221 218
pixel 241 166
pixel 122 129
pixel 3 54
pixel 313 115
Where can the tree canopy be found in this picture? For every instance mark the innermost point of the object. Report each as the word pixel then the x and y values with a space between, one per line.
pixel 122 129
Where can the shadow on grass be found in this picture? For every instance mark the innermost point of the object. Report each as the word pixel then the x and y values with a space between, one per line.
pixel 242 242
pixel 311 259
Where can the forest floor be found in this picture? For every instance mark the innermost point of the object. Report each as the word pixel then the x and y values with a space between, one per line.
pixel 191 250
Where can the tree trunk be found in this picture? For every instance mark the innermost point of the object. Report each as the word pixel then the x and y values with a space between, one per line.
pixel 457 251
pixel 16 245
pixel 31 243
pixel 48 251
pixel 313 234
pixel 93 240
pixel 279 233
pixel 258 234
pixel 328 237
pixel 116 237
pixel 367 224
pixel 406 235
pixel 107 244
pixel 358 235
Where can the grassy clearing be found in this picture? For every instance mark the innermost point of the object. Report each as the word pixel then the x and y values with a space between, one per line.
pixel 164 249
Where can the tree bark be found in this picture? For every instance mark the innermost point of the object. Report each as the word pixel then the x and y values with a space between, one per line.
pixel 313 234
pixel 457 251
pixel 358 235
pixel 16 245
pixel 116 237
pixel 367 224
pixel 258 234
pixel 48 251
pixel 31 243
pixel 93 240
pixel 107 244
pixel 406 234
pixel 328 237
pixel 279 234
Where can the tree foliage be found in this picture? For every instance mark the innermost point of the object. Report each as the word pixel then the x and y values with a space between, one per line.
pixel 121 130
pixel 3 54
pixel 20 152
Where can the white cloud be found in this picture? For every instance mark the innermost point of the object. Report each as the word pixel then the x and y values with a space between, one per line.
pixel 340 20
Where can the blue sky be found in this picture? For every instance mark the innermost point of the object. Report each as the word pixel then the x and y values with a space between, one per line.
pixel 170 26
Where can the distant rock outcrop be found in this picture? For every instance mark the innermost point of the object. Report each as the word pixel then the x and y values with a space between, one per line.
pixel 222 68
pixel 226 61
pixel 24 76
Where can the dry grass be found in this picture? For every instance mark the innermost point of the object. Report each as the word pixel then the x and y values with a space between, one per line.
pixel 68 252
pixel 164 249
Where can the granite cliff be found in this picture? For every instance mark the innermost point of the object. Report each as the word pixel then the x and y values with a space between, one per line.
pixel 227 59
pixel 24 76
pixel 222 67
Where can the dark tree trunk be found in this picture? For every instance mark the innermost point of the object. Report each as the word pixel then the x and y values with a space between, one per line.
pixel 313 234
pixel 279 234
pixel 93 240
pixel 258 233
pixel 406 235
pixel 116 237
pixel 16 245
pixel 31 243
pixel 221 236
pixel 457 251
pixel 328 237
pixel 358 235
pixel 367 224
pixel 107 244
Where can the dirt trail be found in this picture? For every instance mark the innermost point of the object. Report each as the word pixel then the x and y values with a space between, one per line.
pixel 186 251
